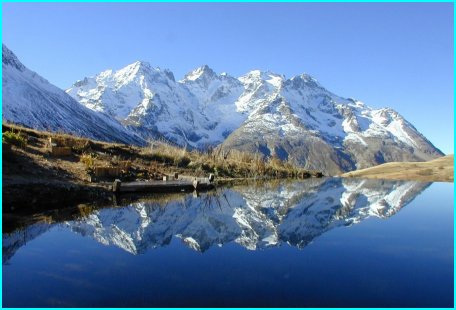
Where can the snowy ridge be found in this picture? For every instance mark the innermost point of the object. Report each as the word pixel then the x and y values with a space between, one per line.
pixel 295 119
pixel 30 100
pixel 149 98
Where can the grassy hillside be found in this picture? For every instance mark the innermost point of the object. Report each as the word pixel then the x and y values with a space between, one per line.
pixel 440 169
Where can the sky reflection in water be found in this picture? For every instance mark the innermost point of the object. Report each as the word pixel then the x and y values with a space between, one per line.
pixel 274 244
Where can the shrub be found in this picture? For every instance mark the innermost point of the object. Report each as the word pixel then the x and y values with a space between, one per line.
pixel 14 138
pixel 88 160
pixel 222 162
pixel 182 162
pixel 161 157
pixel 81 145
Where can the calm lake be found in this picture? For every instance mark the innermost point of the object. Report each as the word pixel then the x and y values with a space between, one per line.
pixel 312 243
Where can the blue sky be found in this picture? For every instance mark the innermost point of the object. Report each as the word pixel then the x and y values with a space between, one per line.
pixel 395 55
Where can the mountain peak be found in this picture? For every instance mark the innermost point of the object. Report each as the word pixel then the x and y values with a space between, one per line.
pixel 130 71
pixel 140 65
pixel 259 76
pixel 303 80
pixel 201 72
pixel 80 83
pixel 263 74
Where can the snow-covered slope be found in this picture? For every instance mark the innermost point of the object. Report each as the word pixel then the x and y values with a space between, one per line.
pixel 30 100
pixel 303 122
pixel 150 101
pixel 254 217
pixel 295 119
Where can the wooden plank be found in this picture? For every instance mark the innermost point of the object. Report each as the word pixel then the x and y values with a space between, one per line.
pixel 154 186
pixel 191 179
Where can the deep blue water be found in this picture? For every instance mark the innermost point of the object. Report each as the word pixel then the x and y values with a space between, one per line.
pixel 315 243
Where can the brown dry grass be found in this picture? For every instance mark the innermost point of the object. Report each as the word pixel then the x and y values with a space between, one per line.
pixel 222 163
pixel 440 169
pixel 143 162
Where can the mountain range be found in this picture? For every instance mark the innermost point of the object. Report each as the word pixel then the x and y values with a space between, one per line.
pixel 295 119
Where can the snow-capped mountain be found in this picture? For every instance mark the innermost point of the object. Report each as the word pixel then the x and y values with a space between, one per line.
pixel 254 217
pixel 305 123
pixel 295 119
pixel 152 103
pixel 30 100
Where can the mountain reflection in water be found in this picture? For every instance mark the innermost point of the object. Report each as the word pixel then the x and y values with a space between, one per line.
pixel 257 216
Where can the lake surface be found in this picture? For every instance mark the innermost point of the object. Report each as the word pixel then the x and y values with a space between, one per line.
pixel 312 243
